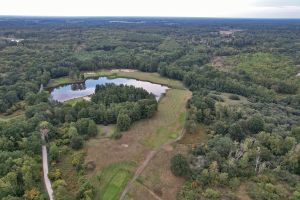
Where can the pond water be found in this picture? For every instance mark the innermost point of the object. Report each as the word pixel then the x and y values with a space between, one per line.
pixel 76 90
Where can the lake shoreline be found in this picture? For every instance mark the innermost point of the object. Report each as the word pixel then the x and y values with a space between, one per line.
pixel 87 88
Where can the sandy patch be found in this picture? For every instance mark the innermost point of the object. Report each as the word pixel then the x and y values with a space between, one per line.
pixel 88 98
pixel 123 70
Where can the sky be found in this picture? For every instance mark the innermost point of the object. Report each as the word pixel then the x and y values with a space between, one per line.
pixel 170 8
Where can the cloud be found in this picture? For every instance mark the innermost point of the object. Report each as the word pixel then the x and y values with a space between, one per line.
pixel 181 8
pixel 272 12
pixel 277 3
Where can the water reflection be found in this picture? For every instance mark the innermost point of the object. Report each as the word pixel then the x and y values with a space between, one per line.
pixel 78 86
pixel 71 91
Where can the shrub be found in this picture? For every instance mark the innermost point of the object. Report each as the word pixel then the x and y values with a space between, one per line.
pixel 211 194
pixel 236 133
pixel 255 124
pixel 76 142
pixel 179 166
pixel 191 126
pixel 220 127
pixel 123 122
pixel 116 134
pixel 234 97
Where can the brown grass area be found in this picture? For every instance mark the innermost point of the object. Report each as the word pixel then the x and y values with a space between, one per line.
pixel 158 176
pixel 107 151
pixel 219 63
pixel 241 192
pixel 193 139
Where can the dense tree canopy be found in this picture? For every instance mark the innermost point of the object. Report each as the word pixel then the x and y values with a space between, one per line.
pixel 244 84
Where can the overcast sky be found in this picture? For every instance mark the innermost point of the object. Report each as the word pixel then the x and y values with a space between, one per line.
pixel 186 8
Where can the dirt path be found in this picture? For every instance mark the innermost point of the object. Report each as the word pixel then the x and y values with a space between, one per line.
pixel 138 172
pixel 151 192
pixel 47 181
pixel 145 163
pixel 45 171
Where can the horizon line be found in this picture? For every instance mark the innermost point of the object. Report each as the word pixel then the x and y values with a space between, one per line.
pixel 128 16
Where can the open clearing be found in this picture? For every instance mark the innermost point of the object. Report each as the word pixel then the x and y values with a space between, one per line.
pixel 157 178
pixel 116 161
pixel 111 180
pixel 143 136
pixel 60 81
pixel 16 115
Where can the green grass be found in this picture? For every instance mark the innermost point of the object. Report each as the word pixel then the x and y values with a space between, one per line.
pixel 60 81
pixel 16 115
pixel 160 137
pixel 106 131
pixel 169 121
pixel 72 102
pixel 111 181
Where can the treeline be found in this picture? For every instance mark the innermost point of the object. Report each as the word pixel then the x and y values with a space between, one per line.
pixel 257 141
pixel 247 143
pixel 66 125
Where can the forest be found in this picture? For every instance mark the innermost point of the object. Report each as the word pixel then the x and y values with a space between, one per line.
pixel 245 91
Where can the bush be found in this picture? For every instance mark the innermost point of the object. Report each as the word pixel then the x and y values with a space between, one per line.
pixel 234 97
pixel 255 124
pixel 116 135
pixel 220 128
pixel 211 194
pixel 236 133
pixel 76 142
pixel 179 166
pixel 123 122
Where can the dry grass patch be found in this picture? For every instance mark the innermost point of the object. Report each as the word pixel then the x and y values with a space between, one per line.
pixel 158 177
pixel 196 138
pixel 142 136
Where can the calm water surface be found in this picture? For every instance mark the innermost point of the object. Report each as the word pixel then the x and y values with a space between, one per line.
pixel 72 91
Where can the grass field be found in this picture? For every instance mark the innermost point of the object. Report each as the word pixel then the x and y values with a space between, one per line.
pixel 116 160
pixel 60 81
pixel 72 102
pixel 142 137
pixel 16 115
pixel 169 121
pixel 112 180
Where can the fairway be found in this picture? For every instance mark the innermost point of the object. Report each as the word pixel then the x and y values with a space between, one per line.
pixel 111 180
pixel 169 121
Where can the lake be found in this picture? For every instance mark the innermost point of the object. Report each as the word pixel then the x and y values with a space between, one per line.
pixel 76 90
